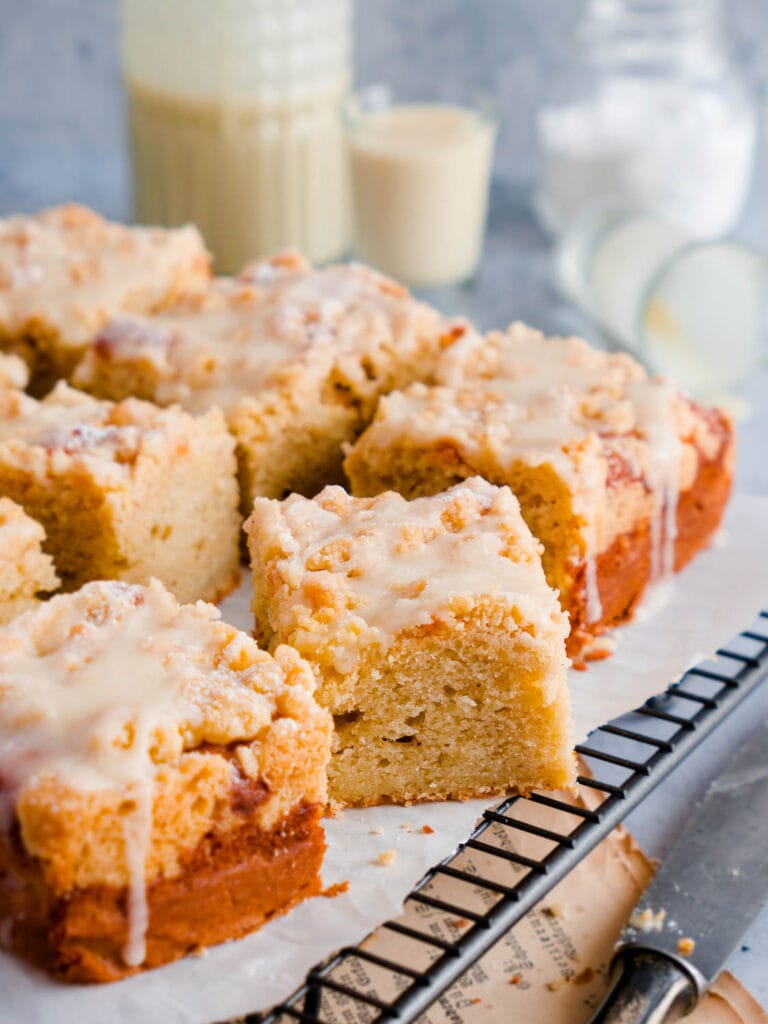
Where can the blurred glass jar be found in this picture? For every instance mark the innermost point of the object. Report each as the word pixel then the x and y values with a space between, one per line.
pixel 235 124
pixel 647 111
pixel 694 309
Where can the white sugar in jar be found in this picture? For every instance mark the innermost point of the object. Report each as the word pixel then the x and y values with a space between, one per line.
pixel 647 112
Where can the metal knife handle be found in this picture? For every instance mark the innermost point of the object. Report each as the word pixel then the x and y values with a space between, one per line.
pixel 648 989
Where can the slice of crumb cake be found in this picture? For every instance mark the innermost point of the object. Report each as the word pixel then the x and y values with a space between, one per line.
pixel 66 270
pixel 25 570
pixel 620 476
pixel 296 357
pixel 161 781
pixel 125 490
pixel 437 643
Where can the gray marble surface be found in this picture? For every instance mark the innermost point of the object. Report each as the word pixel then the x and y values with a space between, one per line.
pixel 62 137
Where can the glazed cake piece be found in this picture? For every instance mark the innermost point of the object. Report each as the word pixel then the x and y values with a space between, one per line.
pixel 161 781
pixel 296 357
pixel 437 644
pixel 65 271
pixel 621 477
pixel 125 491
pixel 25 570
pixel 13 372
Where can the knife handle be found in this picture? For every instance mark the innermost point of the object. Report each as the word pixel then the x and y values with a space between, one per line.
pixel 648 988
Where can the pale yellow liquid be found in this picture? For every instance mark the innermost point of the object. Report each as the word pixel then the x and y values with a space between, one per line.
pixel 254 177
pixel 420 176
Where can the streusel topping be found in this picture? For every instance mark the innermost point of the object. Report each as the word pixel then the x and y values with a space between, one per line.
pixel 70 269
pixel 101 688
pixel 68 425
pixel 372 567
pixel 13 372
pixel 243 332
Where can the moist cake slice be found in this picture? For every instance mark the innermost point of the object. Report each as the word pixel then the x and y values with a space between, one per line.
pixel 125 490
pixel 65 271
pixel 437 644
pixel 161 781
pixel 25 571
pixel 621 477
pixel 295 356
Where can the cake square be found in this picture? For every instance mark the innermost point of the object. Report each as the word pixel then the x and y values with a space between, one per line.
pixel 295 356
pixel 25 571
pixel 65 271
pixel 437 644
pixel 620 476
pixel 161 781
pixel 125 490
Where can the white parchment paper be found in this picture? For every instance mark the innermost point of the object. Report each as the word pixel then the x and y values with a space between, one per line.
pixel 714 598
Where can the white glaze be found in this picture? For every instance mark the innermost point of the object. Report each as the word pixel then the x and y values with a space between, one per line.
pixel 397 565
pixel 98 687
pixel 245 331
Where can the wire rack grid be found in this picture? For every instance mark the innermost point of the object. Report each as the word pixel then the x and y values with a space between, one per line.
pixel 519 850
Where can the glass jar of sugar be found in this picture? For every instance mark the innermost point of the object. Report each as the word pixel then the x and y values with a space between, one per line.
pixel 235 122
pixel 647 111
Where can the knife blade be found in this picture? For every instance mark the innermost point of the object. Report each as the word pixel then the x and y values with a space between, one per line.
pixel 707 891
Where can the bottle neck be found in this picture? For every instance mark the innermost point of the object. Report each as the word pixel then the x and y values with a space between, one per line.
pixel 685 37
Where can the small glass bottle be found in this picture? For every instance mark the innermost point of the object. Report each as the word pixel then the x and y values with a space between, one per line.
pixel 647 111
pixel 235 121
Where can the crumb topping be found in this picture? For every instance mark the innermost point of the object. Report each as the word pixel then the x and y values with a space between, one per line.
pixel 16 525
pixel 13 372
pixel 71 269
pixel 518 397
pixel 68 426
pixel 369 568
pixel 104 686
pixel 242 333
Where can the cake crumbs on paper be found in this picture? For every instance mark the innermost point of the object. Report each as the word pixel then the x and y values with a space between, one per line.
pixel 583 977
pixel 386 857
pixel 515 979
pixel 600 648
pixel 553 910
pixel 685 946
pixel 553 986
pixel 335 890
pixel 406 826
pixel 648 921
pixel 377 830
pixel 459 922
pixel 427 830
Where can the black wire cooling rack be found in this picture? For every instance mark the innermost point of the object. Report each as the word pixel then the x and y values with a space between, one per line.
pixel 520 850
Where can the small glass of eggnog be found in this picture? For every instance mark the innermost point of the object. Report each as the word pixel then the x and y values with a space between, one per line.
pixel 420 181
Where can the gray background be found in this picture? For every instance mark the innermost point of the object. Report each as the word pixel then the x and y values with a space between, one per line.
pixel 61 103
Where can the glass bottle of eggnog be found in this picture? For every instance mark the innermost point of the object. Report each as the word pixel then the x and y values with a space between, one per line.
pixel 234 121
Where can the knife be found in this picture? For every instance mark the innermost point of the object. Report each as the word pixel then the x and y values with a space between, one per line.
pixel 709 888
